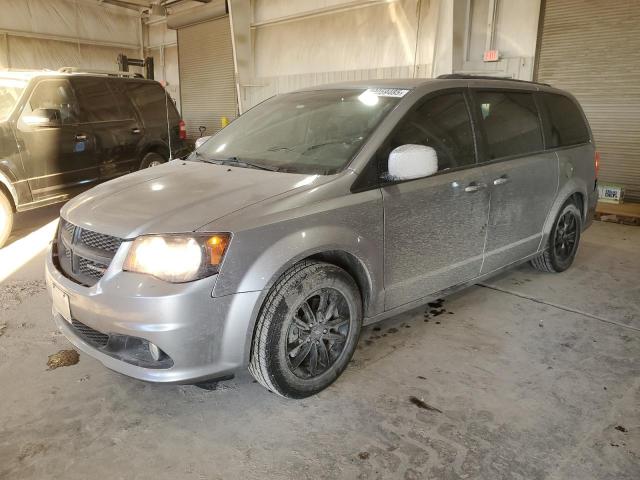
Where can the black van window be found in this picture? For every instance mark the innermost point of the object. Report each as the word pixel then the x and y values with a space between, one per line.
pixel 564 124
pixel 56 95
pixel 152 103
pixel 442 123
pixel 97 102
pixel 511 123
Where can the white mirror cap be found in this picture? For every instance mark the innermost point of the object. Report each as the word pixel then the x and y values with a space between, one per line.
pixel 202 140
pixel 412 161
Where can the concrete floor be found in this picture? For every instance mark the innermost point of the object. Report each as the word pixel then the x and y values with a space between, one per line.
pixel 534 376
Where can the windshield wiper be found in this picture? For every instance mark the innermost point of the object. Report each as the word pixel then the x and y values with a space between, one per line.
pixel 239 163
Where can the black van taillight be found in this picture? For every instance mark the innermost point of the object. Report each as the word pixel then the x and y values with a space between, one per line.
pixel 182 130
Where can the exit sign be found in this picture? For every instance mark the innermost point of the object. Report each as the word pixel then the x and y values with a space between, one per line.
pixel 491 56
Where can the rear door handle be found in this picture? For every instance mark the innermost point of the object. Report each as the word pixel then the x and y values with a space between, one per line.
pixel 135 131
pixel 81 137
pixel 474 187
pixel 501 180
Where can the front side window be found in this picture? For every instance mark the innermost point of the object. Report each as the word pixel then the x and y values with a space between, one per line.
pixel 55 96
pixel 10 91
pixel 510 122
pixel 315 132
pixel 442 123
pixel 565 125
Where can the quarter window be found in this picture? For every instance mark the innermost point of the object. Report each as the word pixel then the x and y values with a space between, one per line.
pixel 442 123
pixel 152 103
pixel 564 123
pixel 511 124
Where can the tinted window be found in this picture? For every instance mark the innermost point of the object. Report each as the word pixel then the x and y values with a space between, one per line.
pixel 564 122
pixel 125 108
pixel 442 123
pixel 510 122
pixel 96 100
pixel 152 103
pixel 57 95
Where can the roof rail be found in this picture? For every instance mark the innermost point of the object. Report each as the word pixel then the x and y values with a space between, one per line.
pixel 486 77
pixel 110 73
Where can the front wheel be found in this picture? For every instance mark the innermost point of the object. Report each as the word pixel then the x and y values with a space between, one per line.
pixel 6 219
pixel 563 241
pixel 307 330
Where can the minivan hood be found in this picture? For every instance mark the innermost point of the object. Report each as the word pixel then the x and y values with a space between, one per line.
pixel 179 196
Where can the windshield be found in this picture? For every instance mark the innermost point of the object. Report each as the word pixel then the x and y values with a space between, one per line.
pixel 315 132
pixel 10 91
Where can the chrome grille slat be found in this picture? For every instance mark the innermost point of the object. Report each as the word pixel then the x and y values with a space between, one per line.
pixel 85 255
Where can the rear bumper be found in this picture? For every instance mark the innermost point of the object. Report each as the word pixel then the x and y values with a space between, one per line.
pixel 591 207
pixel 204 337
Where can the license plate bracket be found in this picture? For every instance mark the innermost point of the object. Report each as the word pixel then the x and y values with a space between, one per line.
pixel 61 303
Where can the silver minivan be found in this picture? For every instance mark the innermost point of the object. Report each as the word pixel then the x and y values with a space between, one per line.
pixel 313 214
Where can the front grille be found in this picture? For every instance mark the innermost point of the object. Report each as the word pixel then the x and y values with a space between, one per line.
pixel 91 269
pixel 84 255
pixel 89 334
pixel 100 241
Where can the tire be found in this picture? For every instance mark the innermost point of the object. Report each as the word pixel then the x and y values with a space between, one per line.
pixel 284 347
pixel 565 233
pixel 6 219
pixel 152 159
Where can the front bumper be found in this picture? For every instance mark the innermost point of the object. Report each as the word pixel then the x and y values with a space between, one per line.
pixel 205 337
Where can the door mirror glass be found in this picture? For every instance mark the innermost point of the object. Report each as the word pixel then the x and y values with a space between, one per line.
pixel 44 117
pixel 412 161
pixel 200 141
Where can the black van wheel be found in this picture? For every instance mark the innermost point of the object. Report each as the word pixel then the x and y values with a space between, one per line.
pixel 307 330
pixel 562 244
pixel 152 159
pixel 6 219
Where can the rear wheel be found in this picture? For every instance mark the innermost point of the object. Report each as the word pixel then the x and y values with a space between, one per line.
pixel 152 159
pixel 563 241
pixel 307 330
pixel 6 219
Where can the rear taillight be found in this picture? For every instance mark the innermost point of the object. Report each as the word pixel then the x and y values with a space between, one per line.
pixel 182 130
pixel 596 162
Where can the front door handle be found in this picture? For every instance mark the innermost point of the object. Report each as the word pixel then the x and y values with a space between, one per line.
pixel 81 137
pixel 501 180
pixel 474 187
pixel 135 131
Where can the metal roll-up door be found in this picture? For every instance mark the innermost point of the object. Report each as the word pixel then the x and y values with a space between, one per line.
pixel 207 81
pixel 590 48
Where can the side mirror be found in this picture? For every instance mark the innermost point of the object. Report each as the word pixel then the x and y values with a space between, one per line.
pixel 412 161
pixel 44 117
pixel 200 141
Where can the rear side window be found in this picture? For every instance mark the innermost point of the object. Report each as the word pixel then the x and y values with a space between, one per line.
pixel 510 122
pixel 97 101
pixel 152 102
pixel 442 123
pixel 564 123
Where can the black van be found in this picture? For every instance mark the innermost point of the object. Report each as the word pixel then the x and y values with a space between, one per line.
pixel 63 132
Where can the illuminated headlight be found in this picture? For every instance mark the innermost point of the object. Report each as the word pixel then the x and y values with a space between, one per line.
pixel 177 258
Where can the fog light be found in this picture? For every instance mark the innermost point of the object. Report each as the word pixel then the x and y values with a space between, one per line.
pixel 154 351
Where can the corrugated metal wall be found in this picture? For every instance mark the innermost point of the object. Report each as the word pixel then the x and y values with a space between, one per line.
pixel 207 79
pixel 591 48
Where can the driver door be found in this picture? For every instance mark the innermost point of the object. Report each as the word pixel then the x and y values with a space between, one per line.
pixel 435 227
pixel 59 157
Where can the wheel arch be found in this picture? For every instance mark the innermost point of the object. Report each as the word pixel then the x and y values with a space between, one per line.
pixel 8 190
pixel 154 147
pixel 570 191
